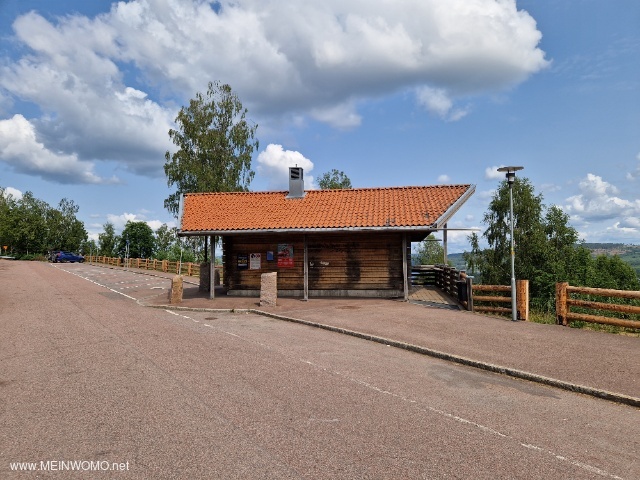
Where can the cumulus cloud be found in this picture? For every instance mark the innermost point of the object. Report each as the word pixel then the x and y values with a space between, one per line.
pixel 599 200
pixel 20 149
pixel 492 173
pixel 438 102
pixel 12 192
pixel 109 86
pixel 274 163
pixel 444 179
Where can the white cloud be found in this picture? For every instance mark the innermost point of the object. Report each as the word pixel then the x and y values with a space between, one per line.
pixel 20 149
pixel 106 85
pixel 438 102
pixel 13 192
pixel 340 116
pixel 444 179
pixel 599 200
pixel 274 163
pixel 119 221
pixel 492 173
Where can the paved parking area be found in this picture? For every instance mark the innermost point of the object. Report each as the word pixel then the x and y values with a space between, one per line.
pixel 596 363
pixel 88 374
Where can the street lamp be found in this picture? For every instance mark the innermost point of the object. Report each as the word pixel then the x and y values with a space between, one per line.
pixel 511 177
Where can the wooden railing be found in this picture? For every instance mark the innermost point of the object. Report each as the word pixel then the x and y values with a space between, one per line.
pixel 459 285
pixel 564 302
pixel 492 294
pixel 184 268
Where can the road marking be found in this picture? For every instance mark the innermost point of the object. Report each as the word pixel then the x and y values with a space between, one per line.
pixel 96 283
pixel 484 428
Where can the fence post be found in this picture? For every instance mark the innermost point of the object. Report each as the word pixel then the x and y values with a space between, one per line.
pixel 469 293
pixel 561 303
pixel 522 299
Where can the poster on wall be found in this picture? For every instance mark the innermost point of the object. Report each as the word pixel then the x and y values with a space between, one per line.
pixel 255 259
pixel 285 255
pixel 243 261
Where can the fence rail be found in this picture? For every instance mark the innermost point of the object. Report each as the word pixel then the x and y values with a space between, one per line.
pixel 184 268
pixel 564 302
pixel 494 294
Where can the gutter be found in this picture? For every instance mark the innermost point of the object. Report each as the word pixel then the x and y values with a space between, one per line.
pixel 420 229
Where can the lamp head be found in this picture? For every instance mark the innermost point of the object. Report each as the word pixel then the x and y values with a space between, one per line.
pixel 510 173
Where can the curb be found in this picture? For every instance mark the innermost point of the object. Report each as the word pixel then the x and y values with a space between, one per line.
pixel 489 367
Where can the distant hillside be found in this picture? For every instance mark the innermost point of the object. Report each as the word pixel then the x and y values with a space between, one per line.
pixel 628 253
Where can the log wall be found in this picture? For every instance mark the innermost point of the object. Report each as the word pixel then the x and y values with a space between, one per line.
pixel 336 262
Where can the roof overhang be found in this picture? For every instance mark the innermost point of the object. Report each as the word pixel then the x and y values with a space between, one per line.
pixel 442 221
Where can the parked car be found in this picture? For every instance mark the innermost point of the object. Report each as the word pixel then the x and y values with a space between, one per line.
pixel 63 256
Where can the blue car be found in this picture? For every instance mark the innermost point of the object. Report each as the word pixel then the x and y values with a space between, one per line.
pixel 63 256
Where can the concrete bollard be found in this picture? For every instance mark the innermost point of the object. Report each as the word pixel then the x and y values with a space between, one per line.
pixel 175 294
pixel 268 289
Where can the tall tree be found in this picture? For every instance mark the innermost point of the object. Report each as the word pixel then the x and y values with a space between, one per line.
pixel 30 225
pixel 107 240
pixel 139 237
pixel 215 144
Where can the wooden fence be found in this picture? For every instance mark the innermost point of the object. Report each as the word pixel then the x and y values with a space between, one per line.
pixel 564 302
pixel 459 285
pixel 490 295
pixel 186 268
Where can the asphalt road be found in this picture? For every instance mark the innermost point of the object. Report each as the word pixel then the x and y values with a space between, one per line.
pixel 88 375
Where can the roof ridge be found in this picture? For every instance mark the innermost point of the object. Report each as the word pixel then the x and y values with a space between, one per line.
pixel 359 189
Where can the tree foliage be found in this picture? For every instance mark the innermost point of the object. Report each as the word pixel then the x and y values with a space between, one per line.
pixel 334 180
pixel 215 144
pixel 430 252
pixel 30 226
pixel 107 240
pixel 140 239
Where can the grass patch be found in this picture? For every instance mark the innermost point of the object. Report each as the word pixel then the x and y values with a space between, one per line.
pixel 550 319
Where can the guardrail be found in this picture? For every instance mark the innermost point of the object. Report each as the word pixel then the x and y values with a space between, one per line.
pixel 564 302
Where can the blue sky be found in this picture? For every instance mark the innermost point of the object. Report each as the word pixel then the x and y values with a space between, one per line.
pixel 415 92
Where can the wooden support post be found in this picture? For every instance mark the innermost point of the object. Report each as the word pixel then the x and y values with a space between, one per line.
pixel 522 299
pixel 469 293
pixel 405 269
pixel 561 303
pixel 445 245
pixel 212 270
pixel 306 270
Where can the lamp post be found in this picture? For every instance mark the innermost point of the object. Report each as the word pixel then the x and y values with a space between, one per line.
pixel 511 177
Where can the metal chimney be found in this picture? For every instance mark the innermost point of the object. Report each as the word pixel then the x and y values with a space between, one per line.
pixel 296 183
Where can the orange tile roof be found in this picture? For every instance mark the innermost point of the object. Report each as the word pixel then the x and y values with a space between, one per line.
pixel 394 208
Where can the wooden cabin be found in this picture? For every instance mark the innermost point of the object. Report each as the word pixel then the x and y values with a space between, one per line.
pixel 352 242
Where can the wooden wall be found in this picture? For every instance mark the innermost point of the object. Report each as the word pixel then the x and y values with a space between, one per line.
pixel 290 278
pixel 351 261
